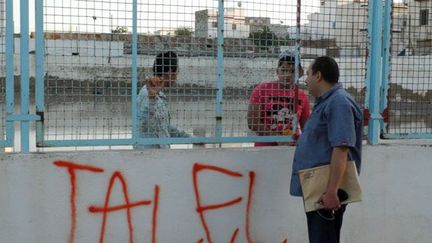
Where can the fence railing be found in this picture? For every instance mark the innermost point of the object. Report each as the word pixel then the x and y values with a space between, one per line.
pixel 91 59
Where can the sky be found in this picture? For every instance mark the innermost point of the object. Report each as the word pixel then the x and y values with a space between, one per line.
pixel 77 15
pixel 104 15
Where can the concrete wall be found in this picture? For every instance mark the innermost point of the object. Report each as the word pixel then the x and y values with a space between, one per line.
pixel 239 72
pixel 84 48
pixel 60 197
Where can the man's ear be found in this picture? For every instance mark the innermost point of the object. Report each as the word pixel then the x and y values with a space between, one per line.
pixel 318 76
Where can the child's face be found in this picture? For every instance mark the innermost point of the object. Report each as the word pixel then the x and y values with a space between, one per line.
pixel 285 73
pixel 170 79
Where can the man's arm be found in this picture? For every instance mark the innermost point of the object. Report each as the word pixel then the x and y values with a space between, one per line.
pixel 147 120
pixel 338 163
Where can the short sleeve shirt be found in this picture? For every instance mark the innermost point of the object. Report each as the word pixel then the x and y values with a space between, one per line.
pixel 336 121
pixel 278 106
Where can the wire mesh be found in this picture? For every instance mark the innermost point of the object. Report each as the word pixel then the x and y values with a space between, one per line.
pixel 181 27
pixel 334 28
pixel 258 91
pixel 338 29
pixel 2 70
pixel 87 69
pixel 410 91
pixel 88 56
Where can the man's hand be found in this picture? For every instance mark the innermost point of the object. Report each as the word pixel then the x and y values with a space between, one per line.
pixel 330 201
pixel 154 85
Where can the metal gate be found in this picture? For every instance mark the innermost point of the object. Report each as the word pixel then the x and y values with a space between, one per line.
pixel 87 61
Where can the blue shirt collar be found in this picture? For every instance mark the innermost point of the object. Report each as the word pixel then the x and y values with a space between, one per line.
pixel 329 92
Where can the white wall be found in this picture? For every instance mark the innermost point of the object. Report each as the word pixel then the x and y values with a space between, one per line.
pixel 85 48
pixel 35 196
pixel 408 71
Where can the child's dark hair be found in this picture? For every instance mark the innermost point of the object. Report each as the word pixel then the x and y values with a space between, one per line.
pixel 286 59
pixel 165 62
pixel 290 59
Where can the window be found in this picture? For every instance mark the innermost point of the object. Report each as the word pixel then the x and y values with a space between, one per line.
pixel 234 26
pixel 214 24
pixel 424 17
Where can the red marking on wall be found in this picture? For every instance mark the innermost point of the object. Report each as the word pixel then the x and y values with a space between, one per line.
pixel 94 209
pixel 201 209
pixel 285 241
pixel 72 167
pixel 249 204
pixel 127 206
pixel 155 210
pixel 233 238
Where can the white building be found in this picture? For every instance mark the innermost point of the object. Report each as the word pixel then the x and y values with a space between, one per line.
pixel 346 21
pixel 234 23
pixel 258 23
pixel 420 27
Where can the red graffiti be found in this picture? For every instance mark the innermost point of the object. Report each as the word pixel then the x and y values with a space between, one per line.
pixel 127 206
pixel 154 217
pixel 249 203
pixel 201 209
pixel 72 167
pixel 233 238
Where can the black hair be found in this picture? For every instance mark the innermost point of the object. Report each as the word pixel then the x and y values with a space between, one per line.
pixel 165 62
pixel 328 68
pixel 289 60
pixel 286 59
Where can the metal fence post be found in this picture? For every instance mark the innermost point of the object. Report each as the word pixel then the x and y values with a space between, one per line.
pixel 373 83
pixel 40 82
pixel 10 89
pixel 220 68
pixel 134 89
pixel 25 87
pixel 386 59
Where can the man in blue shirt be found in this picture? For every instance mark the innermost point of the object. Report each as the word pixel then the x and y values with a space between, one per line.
pixel 332 135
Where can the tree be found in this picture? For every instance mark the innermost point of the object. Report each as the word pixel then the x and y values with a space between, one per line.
pixel 183 32
pixel 119 30
pixel 264 37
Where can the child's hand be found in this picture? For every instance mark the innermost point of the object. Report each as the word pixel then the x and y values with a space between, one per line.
pixel 154 84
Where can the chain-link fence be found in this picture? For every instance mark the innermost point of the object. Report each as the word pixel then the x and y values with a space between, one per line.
pixel 238 76
pixel 2 70
pixel 410 87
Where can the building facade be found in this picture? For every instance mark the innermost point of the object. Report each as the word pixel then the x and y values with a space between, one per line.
pixel 420 27
pixel 234 23
pixel 346 21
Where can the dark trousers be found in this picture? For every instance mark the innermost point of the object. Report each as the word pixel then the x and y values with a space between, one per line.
pixel 323 229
